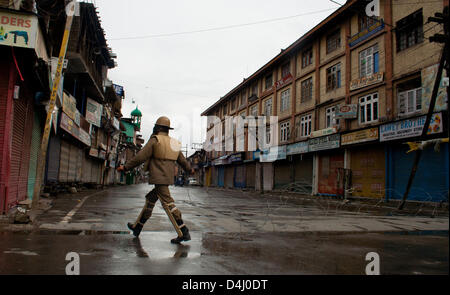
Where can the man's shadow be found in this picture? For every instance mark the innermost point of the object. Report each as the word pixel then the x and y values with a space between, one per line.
pixel 181 251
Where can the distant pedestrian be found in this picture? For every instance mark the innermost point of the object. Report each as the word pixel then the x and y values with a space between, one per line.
pixel 160 154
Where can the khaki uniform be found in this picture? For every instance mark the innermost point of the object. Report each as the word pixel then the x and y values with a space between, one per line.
pixel 160 154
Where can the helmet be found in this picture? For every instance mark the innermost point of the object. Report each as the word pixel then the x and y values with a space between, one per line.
pixel 163 121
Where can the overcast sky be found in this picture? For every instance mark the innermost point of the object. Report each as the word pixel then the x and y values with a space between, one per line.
pixel 180 75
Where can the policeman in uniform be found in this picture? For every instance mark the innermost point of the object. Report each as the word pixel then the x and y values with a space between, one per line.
pixel 160 154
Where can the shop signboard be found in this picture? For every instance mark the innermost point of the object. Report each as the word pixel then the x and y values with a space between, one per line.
pixel 366 33
pixel 297 148
pixel 285 80
pixel 360 136
pixel 273 154
pixel 69 105
pixel 410 127
pixel 366 81
pixel 323 132
pixel 85 137
pixel 324 143
pixel 93 152
pixel 428 77
pixel 69 125
pixel 94 112
pixel 346 111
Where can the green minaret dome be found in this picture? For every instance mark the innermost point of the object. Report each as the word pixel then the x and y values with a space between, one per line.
pixel 136 113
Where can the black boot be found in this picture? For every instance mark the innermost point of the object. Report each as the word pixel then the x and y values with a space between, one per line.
pixel 135 229
pixel 186 236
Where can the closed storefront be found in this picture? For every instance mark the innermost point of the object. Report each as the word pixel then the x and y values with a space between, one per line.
pixel 368 171
pixel 22 125
pixel 34 152
pixel 64 162
pixel 229 176
pixel 331 176
pixel 220 176
pixel 250 172
pixel 431 181
pixel 208 176
pixel 53 154
pixel 282 173
pixel 239 176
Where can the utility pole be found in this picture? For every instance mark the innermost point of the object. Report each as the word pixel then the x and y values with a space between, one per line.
pixel 441 18
pixel 70 11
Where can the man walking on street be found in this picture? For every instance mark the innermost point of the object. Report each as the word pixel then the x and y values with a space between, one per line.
pixel 160 154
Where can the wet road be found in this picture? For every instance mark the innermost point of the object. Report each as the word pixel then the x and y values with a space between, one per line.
pixel 232 232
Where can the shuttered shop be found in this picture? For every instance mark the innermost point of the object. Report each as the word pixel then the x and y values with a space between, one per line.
pixel 20 148
pixel 34 152
pixel 331 174
pixel 282 173
pixel 229 174
pixel 239 176
pixel 250 172
pixel 368 172
pixel 431 181
pixel 54 149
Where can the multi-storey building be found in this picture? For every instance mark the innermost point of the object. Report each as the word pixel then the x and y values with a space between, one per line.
pixel 348 94
pixel 85 128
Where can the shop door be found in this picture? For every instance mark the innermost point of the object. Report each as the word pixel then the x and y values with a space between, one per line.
pixel 368 172
pixel 431 181
pixel 54 150
pixel 331 176
pixel 20 150
pixel 221 176
pixel 282 174
pixel 250 172
pixel 64 162
pixel 239 176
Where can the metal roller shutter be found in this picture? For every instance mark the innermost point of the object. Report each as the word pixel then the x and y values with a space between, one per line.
pixel 64 162
pixel 220 176
pixel 431 181
pixel 250 175
pixel 71 176
pixel 368 172
pixel 282 173
pixel 229 174
pixel 330 174
pixel 79 174
pixel 20 150
pixel 54 150
pixel 239 178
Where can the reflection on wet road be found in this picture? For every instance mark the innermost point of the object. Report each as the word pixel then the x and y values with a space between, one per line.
pixel 232 233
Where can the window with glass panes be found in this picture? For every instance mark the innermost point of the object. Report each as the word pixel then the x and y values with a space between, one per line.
pixel 284 131
pixel 305 125
pixel 285 100
pixel 368 61
pixel 307 87
pixel 365 21
pixel 409 30
pixel 268 107
pixel 269 81
pixel 334 41
pixel 330 117
pixel 368 108
pixel 410 101
pixel 334 77
pixel 307 56
pixel 285 70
